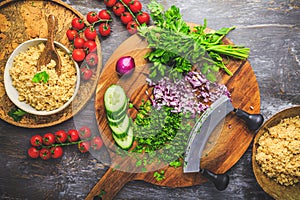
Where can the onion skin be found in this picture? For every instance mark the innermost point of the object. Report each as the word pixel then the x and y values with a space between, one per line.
pixel 125 65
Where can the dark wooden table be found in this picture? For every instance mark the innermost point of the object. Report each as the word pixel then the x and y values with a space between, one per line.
pixel 270 28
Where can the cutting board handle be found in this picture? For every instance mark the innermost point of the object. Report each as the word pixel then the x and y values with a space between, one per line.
pixel 110 184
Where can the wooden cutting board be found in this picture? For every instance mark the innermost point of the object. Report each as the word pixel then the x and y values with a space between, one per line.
pixel 228 148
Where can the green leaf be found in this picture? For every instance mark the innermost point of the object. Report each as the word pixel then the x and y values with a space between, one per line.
pixel 41 77
pixel 17 114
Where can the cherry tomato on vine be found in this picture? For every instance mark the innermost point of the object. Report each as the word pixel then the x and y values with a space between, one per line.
pixel 132 27
pixel 126 17
pixel 92 17
pixel 104 15
pixel 79 42
pixel 85 132
pixel 143 18
pixel 135 6
pixel 110 3
pixel 36 140
pixel 78 55
pixel 77 23
pixel 96 143
pixel 48 139
pixel 92 60
pixel 104 29
pixel 56 151
pixel 118 9
pixel 33 152
pixel 73 135
pixel 86 74
pixel 90 33
pixel 127 2
pixel 45 154
pixel 61 136
pixel 71 34
pixel 84 146
pixel 90 46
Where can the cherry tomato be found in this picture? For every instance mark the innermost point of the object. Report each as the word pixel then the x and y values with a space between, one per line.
pixel 45 154
pixel 90 46
pixel 110 3
pixel 104 15
pixel 127 2
pixel 118 9
pixel 61 136
pixel 33 152
pixel 78 55
pixel 96 143
pixel 104 29
pixel 86 74
pixel 56 151
pixel 135 6
pixel 77 23
pixel 92 17
pixel 85 132
pixel 126 17
pixel 132 27
pixel 73 135
pixel 84 146
pixel 92 60
pixel 143 18
pixel 36 140
pixel 72 34
pixel 48 139
pixel 90 33
pixel 79 42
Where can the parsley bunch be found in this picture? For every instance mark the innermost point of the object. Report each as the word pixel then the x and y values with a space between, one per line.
pixel 176 48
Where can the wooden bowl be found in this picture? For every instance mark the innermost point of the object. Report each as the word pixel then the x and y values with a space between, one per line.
pixel 276 190
pixel 13 94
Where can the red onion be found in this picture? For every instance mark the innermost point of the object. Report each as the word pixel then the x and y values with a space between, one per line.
pixel 125 65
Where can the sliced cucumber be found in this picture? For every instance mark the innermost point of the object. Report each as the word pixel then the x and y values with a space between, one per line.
pixel 120 130
pixel 115 121
pixel 119 114
pixel 115 99
pixel 126 142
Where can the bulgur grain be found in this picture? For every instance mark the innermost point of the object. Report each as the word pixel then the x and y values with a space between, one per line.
pixel 278 153
pixel 43 96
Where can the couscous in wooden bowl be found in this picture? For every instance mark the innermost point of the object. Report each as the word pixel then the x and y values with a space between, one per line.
pixel 269 185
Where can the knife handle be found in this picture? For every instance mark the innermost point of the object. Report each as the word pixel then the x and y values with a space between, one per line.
pixel 219 180
pixel 253 121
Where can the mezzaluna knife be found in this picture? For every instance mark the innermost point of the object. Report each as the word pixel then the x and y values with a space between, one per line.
pixel 202 131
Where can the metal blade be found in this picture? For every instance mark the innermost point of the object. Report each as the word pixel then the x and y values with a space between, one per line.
pixel 202 130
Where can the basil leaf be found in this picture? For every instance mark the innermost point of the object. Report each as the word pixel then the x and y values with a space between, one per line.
pixel 41 77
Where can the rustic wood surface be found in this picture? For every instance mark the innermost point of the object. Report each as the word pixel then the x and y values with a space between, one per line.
pixel 270 28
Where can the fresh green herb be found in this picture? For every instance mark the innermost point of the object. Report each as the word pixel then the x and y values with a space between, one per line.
pixel 161 134
pixel 17 114
pixel 159 175
pixel 176 163
pixel 176 48
pixel 41 76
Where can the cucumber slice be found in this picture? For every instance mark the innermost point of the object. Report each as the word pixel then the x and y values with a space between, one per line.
pixel 115 121
pixel 126 142
pixel 115 99
pixel 121 129
pixel 119 114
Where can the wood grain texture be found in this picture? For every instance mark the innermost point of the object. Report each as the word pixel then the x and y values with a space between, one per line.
pixel 269 28
pixel 25 20
pixel 230 145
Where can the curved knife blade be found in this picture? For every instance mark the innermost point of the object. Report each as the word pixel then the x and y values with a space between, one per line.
pixel 202 130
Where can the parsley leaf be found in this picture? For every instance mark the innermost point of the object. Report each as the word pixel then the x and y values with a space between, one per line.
pixel 16 114
pixel 41 76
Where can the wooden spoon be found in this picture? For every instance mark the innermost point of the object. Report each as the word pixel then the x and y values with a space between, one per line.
pixel 50 52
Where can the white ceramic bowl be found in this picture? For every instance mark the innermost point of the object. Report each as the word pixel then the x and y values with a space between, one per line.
pixel 13 94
